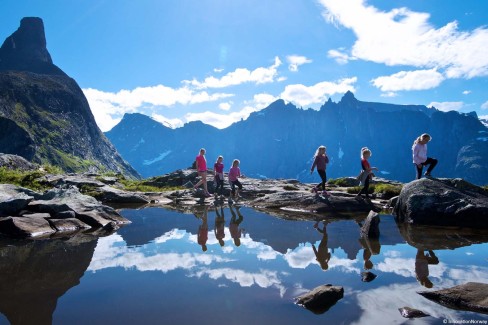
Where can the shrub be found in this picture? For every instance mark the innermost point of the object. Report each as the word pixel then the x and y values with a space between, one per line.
pixel 387 190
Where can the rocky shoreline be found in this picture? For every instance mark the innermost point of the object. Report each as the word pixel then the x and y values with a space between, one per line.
pixel 78 202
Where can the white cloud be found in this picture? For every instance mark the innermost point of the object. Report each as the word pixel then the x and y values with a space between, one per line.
pixel 404 37
pixel 220 121
pixel 447 106
pixel 295 61
pixel 108 108
pixel 339 56
pixel 239 76
pixel 409 80
pixel 225 106
pixel 389 94
pixel 318 93
pixel 171 123
pixel 484 105
pixel 466 92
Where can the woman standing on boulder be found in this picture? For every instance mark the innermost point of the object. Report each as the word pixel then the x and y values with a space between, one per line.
pixel 320 161
pixel 202 171
pixel 420 158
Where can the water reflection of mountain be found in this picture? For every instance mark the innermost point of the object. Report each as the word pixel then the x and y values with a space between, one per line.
pixel 282 235
pixel 34 274
pixel 435 238
pixel 150 223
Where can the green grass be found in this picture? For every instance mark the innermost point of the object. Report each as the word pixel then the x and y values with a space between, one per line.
pixel 139 186
pixel 28 179
pixel 387 190
pixel 338 181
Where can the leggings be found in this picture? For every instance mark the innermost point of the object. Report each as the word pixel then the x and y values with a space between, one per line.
pixel 432 162
pixel 219 183
pixel 233 185
pixel 323 177
pixel 365 188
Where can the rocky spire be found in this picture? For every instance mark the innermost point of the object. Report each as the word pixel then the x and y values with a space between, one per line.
pixel 25 49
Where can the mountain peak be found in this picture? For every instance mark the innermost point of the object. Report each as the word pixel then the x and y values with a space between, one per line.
pixel 348 98
pixel 25 49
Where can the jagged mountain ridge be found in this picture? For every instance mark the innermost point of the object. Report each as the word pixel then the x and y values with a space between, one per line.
pixel 280 140
pixel 44 115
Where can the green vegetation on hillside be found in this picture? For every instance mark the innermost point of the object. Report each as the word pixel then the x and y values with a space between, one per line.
pixel 28 179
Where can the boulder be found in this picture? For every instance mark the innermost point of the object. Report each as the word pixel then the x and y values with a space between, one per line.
pixel 15 162
pixel 112 195
pixel 370 227
pixel 86 208
pixel 25 226
pixel 13 199
pixel 443 202
pixel 320 299
pixel 408 312
pixel 368 276
pixel 471 296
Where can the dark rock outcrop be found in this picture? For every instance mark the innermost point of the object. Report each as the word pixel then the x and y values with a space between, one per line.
pixel 321 299
pixel 30 214
pixel 15 162
pixel 408 312
pixel 44 115
pixel 443 202
pixel 471 296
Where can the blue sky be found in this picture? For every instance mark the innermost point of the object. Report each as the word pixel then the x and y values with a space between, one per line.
pixel 219 60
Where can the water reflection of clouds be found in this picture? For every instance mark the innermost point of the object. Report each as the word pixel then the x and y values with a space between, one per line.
pixel 263 278
pixel 380 305
pixel 170 235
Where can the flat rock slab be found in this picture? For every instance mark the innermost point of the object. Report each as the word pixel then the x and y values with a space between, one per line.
pixel 471 296
pixel 25 226
pixel 321 299
pixel 312 203
pixel 68 225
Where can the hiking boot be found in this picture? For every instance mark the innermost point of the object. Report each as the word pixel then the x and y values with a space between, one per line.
pixel 428 175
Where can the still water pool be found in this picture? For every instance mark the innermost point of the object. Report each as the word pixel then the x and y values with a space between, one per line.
pixel 235 266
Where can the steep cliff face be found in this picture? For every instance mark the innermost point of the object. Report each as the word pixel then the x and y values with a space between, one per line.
pixel 279 141
pixel 45 115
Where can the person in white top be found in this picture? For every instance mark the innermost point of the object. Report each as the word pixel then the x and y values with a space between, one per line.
pixel 420 158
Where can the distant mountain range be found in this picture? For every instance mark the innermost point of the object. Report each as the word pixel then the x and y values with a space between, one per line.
pixel 280 140
pixel 44 115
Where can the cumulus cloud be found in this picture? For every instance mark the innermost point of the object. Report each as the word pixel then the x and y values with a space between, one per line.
pixel 447 106
pixel 239 76
pixel 108 107
pixel 169 122
pixel 340 56
pixel 404 37
pixel 316 94
pixel 409 80
pixel 484 105
pixel 225 106
pixel 220 121
pixel 294 61
pixel 466 92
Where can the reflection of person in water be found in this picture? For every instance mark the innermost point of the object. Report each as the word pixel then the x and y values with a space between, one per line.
pixel 322 254
pixel 219 229
pixel 203 230
pixel 235 232
pixel 368 265
pixel 422 261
